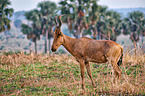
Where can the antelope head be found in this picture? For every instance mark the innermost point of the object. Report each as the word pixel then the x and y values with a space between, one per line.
pixel 58 35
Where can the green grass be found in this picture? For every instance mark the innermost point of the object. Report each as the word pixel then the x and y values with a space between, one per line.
pixel 60 75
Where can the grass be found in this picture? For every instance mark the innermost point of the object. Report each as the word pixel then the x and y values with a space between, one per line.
pixel 42 75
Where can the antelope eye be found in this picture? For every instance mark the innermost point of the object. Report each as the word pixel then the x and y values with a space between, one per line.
pixel 57 36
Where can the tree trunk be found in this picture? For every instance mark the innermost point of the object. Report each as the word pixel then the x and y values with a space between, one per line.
pixel 135 48
pixel 35 47
pixel 80 34
pixel 45 46
pixel 46 37
pixel 95 35
pixel 109 35
pixel 134 39
pixel 142 38
pixel 49 40
pixel 6 35
pixel 94 30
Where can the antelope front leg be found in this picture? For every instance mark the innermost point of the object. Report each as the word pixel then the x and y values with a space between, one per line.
pixel 82 69
pixel 82 74
pixel 89 73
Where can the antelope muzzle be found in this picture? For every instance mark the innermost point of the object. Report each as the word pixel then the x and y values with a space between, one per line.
pixel 53 49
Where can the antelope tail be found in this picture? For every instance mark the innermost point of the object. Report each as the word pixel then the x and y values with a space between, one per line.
pixel 120 60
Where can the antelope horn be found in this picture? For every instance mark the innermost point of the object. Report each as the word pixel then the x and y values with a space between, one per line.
pixel 55 20
pixel 59 20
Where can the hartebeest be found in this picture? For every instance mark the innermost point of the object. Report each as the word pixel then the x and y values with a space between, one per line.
pixel 87 50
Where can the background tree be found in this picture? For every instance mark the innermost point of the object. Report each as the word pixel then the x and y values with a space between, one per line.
pixel 47 10
pixel 33 30
pixel 95 13
pixel 5 13
pixel 75 15
pixel 42 23
pixel 126 26
pixel 109 25
pixel 86 17
pixel 136 23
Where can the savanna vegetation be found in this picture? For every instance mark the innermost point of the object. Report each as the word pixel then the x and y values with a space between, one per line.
pixel 22 74
pixel 59 74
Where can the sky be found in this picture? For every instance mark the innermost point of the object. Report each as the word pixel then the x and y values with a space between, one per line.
pixel 27 5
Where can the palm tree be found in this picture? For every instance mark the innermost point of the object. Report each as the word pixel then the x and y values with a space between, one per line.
pixel 136 22
pixel 95 14
pixel 42 23
pixel 33 30
pixel 109 25
pixel 5 14
pixel 87 17
pixel 47 10
pixel 83 16
pixel 75 15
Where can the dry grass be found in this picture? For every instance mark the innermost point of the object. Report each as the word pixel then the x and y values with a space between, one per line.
pixel 22 74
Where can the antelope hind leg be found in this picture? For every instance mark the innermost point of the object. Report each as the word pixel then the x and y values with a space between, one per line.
pixel 89 73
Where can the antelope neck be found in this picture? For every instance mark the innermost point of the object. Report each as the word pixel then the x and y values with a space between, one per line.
pixel 69 43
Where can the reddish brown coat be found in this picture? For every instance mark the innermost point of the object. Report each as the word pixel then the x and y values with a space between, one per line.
pixel 87 50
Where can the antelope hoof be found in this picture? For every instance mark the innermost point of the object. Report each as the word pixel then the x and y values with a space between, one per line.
pixel 94 85
pixel 83 87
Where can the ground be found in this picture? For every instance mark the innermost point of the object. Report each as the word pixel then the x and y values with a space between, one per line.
pixel 53 74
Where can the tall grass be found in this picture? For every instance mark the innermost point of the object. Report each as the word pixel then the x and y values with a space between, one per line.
pixel 22 74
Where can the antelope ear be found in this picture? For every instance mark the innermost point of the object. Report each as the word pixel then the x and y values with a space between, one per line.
pixel 58 31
